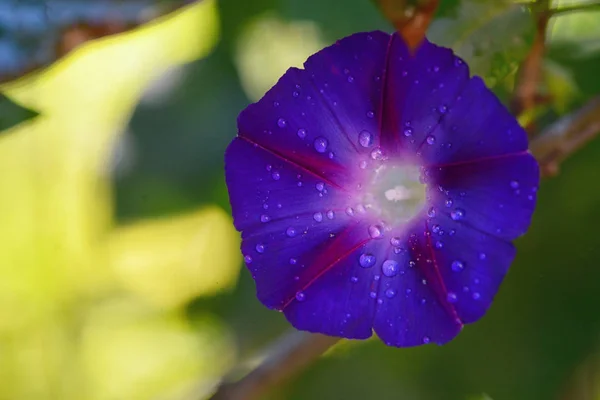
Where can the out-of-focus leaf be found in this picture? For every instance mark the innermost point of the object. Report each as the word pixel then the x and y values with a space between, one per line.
pixel 12 114
pixel 492 36
pixel 560 86
pixel 173 260
pixel 268 46
pixel 35 33
pixel 131 352
pixel 580 30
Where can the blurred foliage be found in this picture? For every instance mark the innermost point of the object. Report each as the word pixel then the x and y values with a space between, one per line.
pixel 120 268
pixel 12 114
pixel 478 33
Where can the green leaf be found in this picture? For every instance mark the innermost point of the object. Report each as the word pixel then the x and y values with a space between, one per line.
pixel 493 37
pixel 12 114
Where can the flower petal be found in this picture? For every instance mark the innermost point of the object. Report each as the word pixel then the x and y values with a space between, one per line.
pixel 314 117
pixel 472 265
pixel 477 127
pixel 496 196
pixel 419 91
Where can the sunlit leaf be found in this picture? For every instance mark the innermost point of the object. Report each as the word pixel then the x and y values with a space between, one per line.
pixel 131 352
pixel 12 114
pixel 173 260
pixel 492 36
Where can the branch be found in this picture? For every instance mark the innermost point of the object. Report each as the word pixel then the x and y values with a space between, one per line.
pixel 566 136
pixel 284 359
pixel 411 21
pixel 530 73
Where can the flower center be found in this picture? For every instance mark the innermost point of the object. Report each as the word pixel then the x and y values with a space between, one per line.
pixel 395 193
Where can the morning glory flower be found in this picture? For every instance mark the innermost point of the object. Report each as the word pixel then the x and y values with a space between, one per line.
pixel 379 191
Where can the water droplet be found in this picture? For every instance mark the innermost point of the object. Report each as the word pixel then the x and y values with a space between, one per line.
pixel 390 268
pixel 330 155
pixel 439 244
pixel 281 123
pixel 353 279
pixel 350 79
pixel 457 265
pixel 321 144
pixel 248 259
pixel 300 296
pixel 443 109
pixel 426 339
pixel 379 301
pixel 260 248
pixel 293 261
pixel 330 214
pixel 370 114
pixel 452 232
pixel 376 277
pixel 431 212
pixel 514 184
pixel 318 216
pixel 476 296
pixel 275 175
pixel 301 133
pixel 291 232
pixel 435 228
pixel 372 295
pixel 265 218
pixel 366 260
pixel 408 132
pixel 269 167
pixel 451 297
pixel 389 293
pixel 349 211
pixel 457 214
pixel 377 154
pixel 395 241
pixel 295 94
pixel 424 281
pixel 430 139
pixel 449 203
pixel 375 231
pixel 482 256
pixel 365 138
pixel 320 186
pixel 296 278
pixel 412 264
pixel 275 104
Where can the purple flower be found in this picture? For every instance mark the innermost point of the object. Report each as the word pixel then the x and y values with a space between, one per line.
pixel 379 191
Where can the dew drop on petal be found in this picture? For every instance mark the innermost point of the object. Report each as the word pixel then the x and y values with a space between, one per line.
pixel 372 295
pixel 349 211
pixel 457 214
pixel 449 203
pixel 395 241
pixel 300 296
pixel 330 214
pixel 353 279
pixel 362 164
pixel 431 212
pixel 291 232
pixel 457 265
pixel 430 139
pixel 390 268
pixel 514 184
pixel 260 248
pixel 318 216
pixel 439 244
pixel 301 133
pixel 275 175
pixel 265 218
pixel 482 256
pixel 281 123
pixel 370 114
pixel 389 293
pixel 320 186
pixel 375 231
pixel 408 132
pixel 365 138
pixel 293 261
pixel 321 144
pixel 426 339
pixel 476 296
pixel 451 297
pixel 248 259
pixel 366 260
pixel 443 109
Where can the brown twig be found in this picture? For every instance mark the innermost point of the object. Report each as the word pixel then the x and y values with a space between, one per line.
pixel 530 73
pixel 284 359
pixel 411 21
pixel 566 136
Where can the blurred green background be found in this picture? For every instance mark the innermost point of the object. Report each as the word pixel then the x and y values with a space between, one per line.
pixel 120 274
